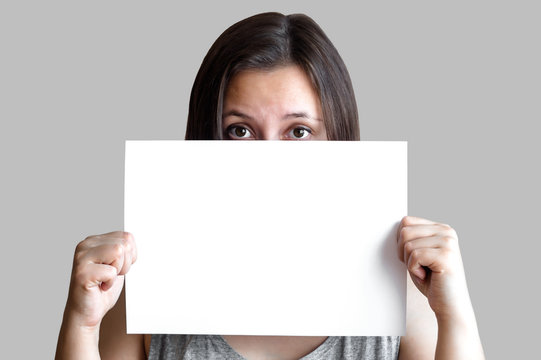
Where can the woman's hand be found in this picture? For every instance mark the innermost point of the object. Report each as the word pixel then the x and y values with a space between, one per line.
pixel 431 253
pixel 99 265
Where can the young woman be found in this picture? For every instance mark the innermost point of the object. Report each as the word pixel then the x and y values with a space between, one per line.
pixel 274 77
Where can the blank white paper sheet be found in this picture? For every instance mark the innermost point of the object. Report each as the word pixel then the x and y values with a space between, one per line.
pixel 266 237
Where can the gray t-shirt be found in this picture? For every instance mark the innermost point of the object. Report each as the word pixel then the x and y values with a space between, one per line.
pixel 214 347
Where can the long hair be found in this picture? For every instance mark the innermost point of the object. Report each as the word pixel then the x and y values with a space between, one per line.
pixel 266 41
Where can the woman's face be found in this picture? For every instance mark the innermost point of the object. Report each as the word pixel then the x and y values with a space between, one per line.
pixel 272 105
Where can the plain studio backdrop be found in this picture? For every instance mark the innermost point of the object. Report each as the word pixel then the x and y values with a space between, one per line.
pixel 460 81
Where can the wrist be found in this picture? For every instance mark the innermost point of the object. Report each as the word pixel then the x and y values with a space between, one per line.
pixel 459 321
pixel 458 338
pixel 77 340
pixel 80 322
pixel 460 312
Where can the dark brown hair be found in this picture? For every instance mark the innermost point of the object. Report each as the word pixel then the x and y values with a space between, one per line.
pixel 266 41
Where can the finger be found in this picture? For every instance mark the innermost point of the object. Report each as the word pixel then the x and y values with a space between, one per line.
pixel 413 220
pixel 130 254
pixel 132 248
pixel 110 254
pixel 408 220
pixel 412 232
pixel 97 240
pixel 434 242
pixel 127 260
pixel 106 285
pixel 428 257
pixel 93 275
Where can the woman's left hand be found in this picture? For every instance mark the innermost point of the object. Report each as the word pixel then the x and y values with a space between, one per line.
pixel 431 253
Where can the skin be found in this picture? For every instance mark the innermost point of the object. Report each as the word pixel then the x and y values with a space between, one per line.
pixel 272 105
pixel 276 105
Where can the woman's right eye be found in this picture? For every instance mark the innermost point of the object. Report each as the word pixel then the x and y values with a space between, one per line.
pixel 239 132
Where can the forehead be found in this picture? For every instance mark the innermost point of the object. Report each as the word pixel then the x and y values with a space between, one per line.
pixel 288 86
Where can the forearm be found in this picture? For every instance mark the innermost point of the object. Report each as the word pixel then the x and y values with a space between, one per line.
pixel 77 342
pixel 458 338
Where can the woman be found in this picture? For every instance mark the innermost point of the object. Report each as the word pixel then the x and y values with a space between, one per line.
pixel 275 77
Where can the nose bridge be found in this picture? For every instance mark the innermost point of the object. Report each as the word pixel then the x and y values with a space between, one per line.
pixel 270 129
pixel 270 137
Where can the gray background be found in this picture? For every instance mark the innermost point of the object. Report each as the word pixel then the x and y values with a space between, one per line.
pixel 459 80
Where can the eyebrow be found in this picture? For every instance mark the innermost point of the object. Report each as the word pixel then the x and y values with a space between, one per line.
pixel 301 114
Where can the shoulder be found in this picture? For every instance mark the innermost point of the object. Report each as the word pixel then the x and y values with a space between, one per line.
pixel 114 343
pixel 421 327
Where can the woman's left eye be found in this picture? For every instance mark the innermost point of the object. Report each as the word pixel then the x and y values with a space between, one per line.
pixel 300 132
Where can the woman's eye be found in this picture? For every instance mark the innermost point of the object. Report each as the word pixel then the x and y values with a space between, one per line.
pixel 239 132
pixel 300 133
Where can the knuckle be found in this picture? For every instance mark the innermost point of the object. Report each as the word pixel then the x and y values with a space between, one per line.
pixel 86 243
pixel 407 220
pixel 409 247
pixel 414 255
pixel 118 250
pixel 130 245
pixel 405 232
pixel 81 245
pixel 78 257
pixel 127 247
pixel 448 229
pixel 449 240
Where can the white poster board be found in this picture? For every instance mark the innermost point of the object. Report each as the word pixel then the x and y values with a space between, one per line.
pixel 266 237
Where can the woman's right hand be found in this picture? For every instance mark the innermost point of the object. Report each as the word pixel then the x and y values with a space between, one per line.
pixel 97 277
